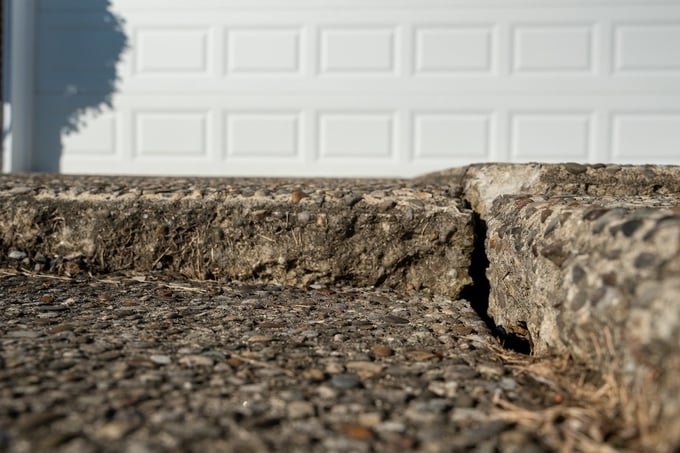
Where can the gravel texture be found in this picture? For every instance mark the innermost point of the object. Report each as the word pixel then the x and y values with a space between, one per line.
pixel 140 364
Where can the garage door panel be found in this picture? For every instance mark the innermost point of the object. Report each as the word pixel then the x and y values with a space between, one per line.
pixel 371 87
pixel 445 134
pixel 422 51
pixel 647 48
pixel 184 51
pixel 656 132
pixel 264 134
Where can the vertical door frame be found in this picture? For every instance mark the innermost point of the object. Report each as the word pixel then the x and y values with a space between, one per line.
pixel 19 30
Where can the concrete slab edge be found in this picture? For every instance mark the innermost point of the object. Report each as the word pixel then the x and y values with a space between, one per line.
pixel 565 258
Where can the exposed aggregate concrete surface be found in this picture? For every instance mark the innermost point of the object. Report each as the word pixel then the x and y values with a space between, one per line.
pixel 145 364
pixel 583 269
pixel 603 279
pixel 586 259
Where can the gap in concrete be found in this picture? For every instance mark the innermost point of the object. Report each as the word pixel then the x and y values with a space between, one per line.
pixel 477 293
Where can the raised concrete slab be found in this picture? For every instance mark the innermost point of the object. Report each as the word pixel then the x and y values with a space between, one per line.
pixel 485 182
pixel 395 233
pixel 586 261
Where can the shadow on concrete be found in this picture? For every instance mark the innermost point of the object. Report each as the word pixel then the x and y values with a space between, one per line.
pixel 78 50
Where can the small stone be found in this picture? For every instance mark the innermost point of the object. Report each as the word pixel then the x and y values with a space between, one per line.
pixel 160 359
pixel 304 217
pixel 314 374
pixel 39 258
pixel 480 433
pixel 365 369
pixel 421 356
pixel 356 431
pixel 490 369
pixel 112 431
pixel 194 360
pixel 433 405
pixel 370 419
pixel 271 325
pixel 508 384
pixel 234 362
pixel 23 334
pixel 334 368
pixel 391 319
pixel 423 195
pixel 345 381
pixel 574 168
pixel 260 339
pixel 165 293
pixel 16 255
pixel 326 393
pixel 297 195
pixel 446 389
pixel 29 422
pixel 300 409
pixel 381 350
pixel 391 426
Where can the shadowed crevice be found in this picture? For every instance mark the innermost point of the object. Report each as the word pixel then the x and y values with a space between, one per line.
pixel 478 292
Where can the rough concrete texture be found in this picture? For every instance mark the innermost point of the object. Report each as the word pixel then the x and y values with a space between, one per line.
pixel 584 259
pixel 485 182
pixel 598 278
pixel 120 364
pixel 595 275
pixel 399 234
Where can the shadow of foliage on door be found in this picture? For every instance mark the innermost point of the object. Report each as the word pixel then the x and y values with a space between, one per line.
pixel 79 46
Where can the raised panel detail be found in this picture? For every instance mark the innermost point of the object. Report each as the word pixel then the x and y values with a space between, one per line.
pixel 181 134
pixel 263 50
pixel 550 136
pixel 357 50
pixel 644 136
pixel 447 135
pixel 262 134
pixel 356 135
pixel 172 51
pixel 451 49
pixel 652 47
pixel 95 137
pixel 558 48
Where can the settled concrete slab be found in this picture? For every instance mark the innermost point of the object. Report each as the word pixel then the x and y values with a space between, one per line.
pixel 395 233
pixel 132 363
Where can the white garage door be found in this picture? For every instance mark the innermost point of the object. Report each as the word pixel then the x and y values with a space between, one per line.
pixel 353 87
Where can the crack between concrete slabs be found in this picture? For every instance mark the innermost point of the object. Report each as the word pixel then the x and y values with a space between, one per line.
pixel 478 292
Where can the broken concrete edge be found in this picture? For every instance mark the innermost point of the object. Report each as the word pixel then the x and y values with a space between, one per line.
pixel 599 279
pixel 397 233
pixel 515 239
pixel 483 183
pixel 585 260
